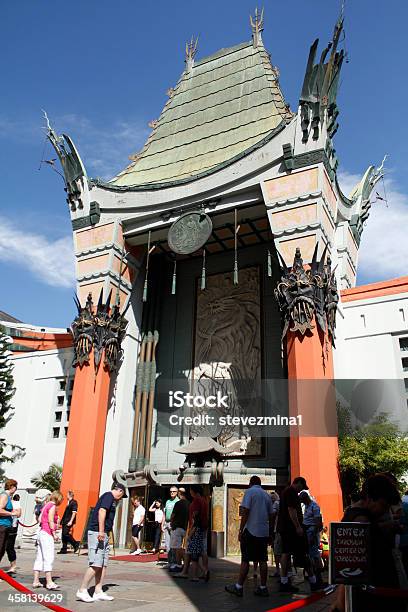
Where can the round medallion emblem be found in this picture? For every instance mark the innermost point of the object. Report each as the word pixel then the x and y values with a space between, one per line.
pixel 189 233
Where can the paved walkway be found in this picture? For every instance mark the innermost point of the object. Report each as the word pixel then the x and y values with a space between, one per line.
pixel 150 587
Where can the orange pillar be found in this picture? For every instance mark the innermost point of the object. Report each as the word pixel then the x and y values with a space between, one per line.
pixel 86 435
pixel 311 394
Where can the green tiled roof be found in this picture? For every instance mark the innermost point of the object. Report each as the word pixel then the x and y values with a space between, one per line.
pixel 222 107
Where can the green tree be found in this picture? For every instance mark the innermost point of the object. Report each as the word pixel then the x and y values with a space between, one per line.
pixel 8 452
pixel 377 447
pixel 51 479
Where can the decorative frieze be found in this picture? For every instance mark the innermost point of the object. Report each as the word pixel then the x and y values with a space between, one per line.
pixel 102 330
pixel 307 294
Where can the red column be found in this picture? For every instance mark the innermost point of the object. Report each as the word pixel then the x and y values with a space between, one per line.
pixel 85 441
pixel 309 359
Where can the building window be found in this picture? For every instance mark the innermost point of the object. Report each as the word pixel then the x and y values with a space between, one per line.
pixel 69 400
pixel 403 344
pixel 55 432
pixel 405 364
pixel 71 384
pixel 60 400
pixel 68 412
pixel 65 432
pixel 406 384
pixel 62 384
pixel 58 416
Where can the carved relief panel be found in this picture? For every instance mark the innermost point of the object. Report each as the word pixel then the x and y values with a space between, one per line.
pixel 227 355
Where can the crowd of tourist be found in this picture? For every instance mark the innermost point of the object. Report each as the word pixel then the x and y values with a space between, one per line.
pixel 291 523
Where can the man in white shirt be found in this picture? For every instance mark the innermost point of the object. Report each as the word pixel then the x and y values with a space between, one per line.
pixel 138 522
pixel 312 524
pixel 255 533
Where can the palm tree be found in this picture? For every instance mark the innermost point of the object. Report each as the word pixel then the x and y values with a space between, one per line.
pixel 51 479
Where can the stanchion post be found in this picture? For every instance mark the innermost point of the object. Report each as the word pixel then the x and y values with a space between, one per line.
pixel 348 598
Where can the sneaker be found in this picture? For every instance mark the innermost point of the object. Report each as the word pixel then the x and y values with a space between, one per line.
pixel 84 596
pixel 76 547
pixel 176 568
pixel 102 597
pixel 287 588
pixel 261 592
pixel 62 551
pixel 232 588
pixel 136 552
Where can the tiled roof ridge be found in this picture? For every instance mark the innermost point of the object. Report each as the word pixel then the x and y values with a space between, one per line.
pixel 274 80
pixel 185 87
pixel 222 53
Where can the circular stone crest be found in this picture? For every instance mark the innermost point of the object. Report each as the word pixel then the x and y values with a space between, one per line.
pixel 189 233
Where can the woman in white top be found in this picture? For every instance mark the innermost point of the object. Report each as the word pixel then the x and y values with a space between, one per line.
pixel 138 522
pixel 157 508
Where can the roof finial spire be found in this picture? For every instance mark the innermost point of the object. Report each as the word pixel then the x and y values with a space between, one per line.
pixel 343 4
pixel 191 50
pixel 257 27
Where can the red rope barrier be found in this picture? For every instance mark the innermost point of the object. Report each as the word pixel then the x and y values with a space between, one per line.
pixel 301 603
pixel 20 587
pixel 27 526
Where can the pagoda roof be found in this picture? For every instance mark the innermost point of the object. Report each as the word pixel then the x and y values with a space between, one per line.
pixel 223 107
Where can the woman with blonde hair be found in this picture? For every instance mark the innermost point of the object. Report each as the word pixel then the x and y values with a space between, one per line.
pixel 45 552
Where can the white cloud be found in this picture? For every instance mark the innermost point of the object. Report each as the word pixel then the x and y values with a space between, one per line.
pixel 384 245
pixel 52 262
pixel 104 149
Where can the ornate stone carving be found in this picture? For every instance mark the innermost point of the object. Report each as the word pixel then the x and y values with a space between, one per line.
pixel 102 330
pixel 115 332
pixel 82 331
pixel 319 91
pixel 360 198
pixel 228 352
pixel 189 233
pixel 307 294
pixel 71 163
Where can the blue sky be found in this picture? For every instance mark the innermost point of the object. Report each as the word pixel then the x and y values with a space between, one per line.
pixel 101 69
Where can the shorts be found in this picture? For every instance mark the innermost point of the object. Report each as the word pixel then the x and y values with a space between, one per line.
pixel 177 537
pixel 295 545
pixel 253 548
pixel 277 545
pixel 313 541
pixel 136 529
pixel 98 552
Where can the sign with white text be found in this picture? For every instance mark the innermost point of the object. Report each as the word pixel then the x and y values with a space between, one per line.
pixel 349 553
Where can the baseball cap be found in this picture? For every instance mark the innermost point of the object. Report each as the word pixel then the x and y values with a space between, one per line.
pixel 121 487
pixel 302 481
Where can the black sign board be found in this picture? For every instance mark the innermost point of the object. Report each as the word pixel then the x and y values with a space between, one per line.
pixel 349 553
